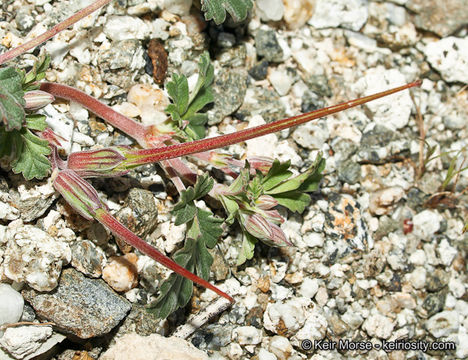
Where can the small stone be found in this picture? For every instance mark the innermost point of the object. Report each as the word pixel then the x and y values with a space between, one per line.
pixel 315 327
pixel 23 341
pixel 139 213
pixel 11 305
pixel 349 171
pixel 229 90
pixel 426 223
pixel 84 307
pixel 434 303
pixel 383 201
pixel 153 347
pixel 418 277
pixel 449 56
pixel 446 252
pixel 151 103
pixel 125 28
pixel 335 13
pixel 443 324
pixel 442 18
pixel 394 111
pixel 312 135
pixel 121 272
pixel 280 81
pixel 270 10
pixel 284 318
pixel 309 288
pixel 260 70
pixel 297 12
pixel 436 280
pixel 378 325
pixel 281 347
pixel 456 287
pixel 87 258
pixel 266 355
pixel 33 256
pixel 178 7
pixel 267 46
pixel 418 257
pixel 124 54
pixel 247 335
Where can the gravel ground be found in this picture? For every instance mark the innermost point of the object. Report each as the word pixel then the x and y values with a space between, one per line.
pixel 378 267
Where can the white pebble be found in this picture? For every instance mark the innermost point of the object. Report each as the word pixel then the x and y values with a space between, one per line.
pixel 443 324
pixel 266 355
pixel 309 287
pixel 247 335
pixel 280 81
pixel 418 257
pixel 11 305
pixel 270 9
pixel 426 223
pixel 378 325
pixel 450 57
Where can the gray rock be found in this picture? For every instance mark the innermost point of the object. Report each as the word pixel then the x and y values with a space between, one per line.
pixel 226 40
pixel 234 57
pixel 24 20
pixel 140 212
pixel 262 102
pixel 87 258
pixel 434 303
pixel 267 46
pixel 116 62
pixel 380 144
pixel 436 280
pixel 349 172
pixel 318 84
pixel 229 90
pixel 260 70
pixel 32 201
pixel 142 322
pixel 80 306
pixel 440 17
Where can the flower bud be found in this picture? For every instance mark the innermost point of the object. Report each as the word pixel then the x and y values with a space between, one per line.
pixel 261 163
pixel 258 226
pixel 36 99
pixel 93 163
pixel 266 202
pixel 273 216
pixel 269 233
pixel 76 191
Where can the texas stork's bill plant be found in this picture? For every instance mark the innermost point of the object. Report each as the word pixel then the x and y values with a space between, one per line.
pixel 260 185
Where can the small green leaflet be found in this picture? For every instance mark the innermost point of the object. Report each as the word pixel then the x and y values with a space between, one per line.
pixel 185 107
pixel 30 80
pixel 11 99
pixel 203 231
pixel 216 9
pixel 27 151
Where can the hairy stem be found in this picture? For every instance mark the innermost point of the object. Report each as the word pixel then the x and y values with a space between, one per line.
pixel 121 231
pixel 52 32
pixel 173 151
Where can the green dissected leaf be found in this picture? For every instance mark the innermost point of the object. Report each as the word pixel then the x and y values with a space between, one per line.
pixel 11 99
pixel 293 200
pixel 277 173
pixel 247 249
pixel 31 158
pixel 216 9
pixel 30 80
pixel 179 92
pixel 307 181
pixel 203 230
pixel 36 122
pixel 186 106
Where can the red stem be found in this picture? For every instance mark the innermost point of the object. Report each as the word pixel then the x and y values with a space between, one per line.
pixel 121 231
pixel 129 126
pixel 52 32
pixel 155 155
